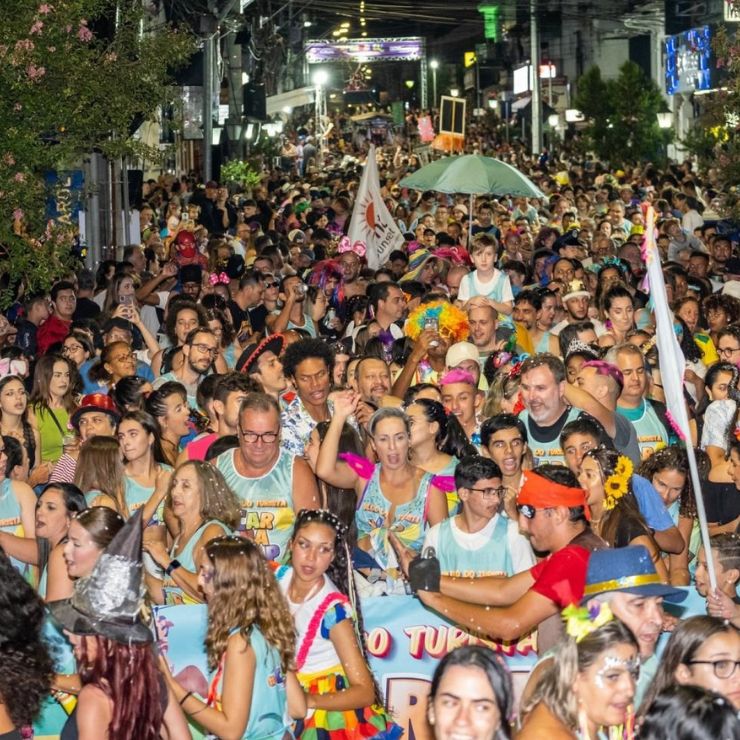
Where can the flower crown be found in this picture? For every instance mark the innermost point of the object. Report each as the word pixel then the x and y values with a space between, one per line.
pixel 617 484
pixel 452 322
pixel 581 621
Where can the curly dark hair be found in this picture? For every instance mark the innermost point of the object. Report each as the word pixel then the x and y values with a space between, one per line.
pixel 305 349
pixel 339 571
pixel 25 679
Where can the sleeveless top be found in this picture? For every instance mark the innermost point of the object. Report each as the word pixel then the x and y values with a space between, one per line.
pixel 409 519
pixel 173 594
pixel 548 452
pixel 308 325
pixel 268 714
pixel 51 432
pixel 544 344
pixel 70 731
pixel 650 431
pixel 10 522
pixel 137 495
pixel 267 509
pixel 492 558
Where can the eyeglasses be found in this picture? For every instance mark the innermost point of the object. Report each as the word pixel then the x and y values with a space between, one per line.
pixel 267 438
pixel 490 492
pixel 274 284
pixel 721 668
pixel 73 348
pixel 205 349
pixel 727 351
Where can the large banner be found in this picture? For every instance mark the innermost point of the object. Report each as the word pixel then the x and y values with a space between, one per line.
pixel 404 639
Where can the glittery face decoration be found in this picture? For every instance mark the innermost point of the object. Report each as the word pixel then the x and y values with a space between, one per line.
pixel 613 667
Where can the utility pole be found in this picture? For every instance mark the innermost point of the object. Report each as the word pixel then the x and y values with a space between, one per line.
pixel 536 105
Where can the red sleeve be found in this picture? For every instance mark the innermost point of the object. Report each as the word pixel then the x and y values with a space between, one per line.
pixel 562 577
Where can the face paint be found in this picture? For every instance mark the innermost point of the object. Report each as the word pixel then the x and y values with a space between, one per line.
pixel 613 666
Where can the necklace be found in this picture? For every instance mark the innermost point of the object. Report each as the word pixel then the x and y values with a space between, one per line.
pixel 297 606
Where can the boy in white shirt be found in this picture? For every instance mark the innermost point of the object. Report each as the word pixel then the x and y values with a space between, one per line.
pixel 480 540
pixel 486 280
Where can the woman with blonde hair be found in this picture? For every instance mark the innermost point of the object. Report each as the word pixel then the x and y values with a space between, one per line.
pixel 99 474
pixel 250 644
pixel 204 508
pixel 587 691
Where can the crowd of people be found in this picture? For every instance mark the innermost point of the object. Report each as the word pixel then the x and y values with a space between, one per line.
pixel 237 412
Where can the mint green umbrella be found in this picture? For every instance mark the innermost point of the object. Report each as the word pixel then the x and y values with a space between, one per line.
pixel 472 174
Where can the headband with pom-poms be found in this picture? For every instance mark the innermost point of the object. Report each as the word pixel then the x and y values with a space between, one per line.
pixel 452 322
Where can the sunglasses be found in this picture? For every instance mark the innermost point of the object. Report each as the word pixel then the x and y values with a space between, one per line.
pixel 528 511
pixel 273 284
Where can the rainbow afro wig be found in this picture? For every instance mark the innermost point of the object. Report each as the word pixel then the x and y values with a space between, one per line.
pixel 452 321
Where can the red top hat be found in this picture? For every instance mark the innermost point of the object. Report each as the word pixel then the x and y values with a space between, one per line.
pixel 95 402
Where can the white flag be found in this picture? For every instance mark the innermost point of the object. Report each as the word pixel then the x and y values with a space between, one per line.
pixel 672 366
pixel 371 221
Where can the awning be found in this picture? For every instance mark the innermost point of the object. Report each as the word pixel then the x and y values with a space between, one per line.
pixel 292 99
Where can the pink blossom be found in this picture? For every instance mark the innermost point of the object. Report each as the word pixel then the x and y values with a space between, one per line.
pixel 35 73
pixel 18 214
pixel 8 159
pixel 19 177
pixel 84 33
pixel 24 45
pixel 36 28
pixel 45 9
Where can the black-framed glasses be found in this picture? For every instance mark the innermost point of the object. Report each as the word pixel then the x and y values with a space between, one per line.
pixel 205 349
pixel 722 668
pixel 490 492
pixel 267 438
pixel 272 284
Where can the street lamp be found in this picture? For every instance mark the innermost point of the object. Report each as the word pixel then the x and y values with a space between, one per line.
pixel 454 92
pixel 320 79
pixel 434 64
pixel 665 120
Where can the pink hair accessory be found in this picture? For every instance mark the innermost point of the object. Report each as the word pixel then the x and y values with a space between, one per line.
pixel 457 376
pixel 12 367
pixel 220 278
pixel 346 245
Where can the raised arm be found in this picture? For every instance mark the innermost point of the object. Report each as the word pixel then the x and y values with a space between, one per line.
pixel 327 466
pixel 579 398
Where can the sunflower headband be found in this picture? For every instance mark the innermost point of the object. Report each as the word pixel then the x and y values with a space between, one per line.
pixel 452 322
pixel 581 621
pixel 617 484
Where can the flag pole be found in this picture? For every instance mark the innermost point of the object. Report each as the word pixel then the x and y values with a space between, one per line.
pixel 672 365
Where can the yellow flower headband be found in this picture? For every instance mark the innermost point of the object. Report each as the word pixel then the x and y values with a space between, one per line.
pixel 617 484
pixel 581 621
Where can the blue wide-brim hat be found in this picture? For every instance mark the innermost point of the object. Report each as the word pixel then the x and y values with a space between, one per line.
pixel 627 569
